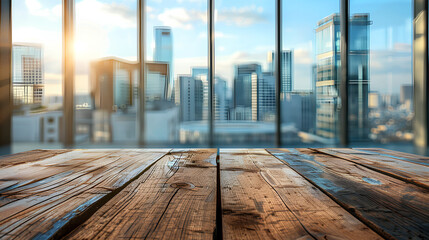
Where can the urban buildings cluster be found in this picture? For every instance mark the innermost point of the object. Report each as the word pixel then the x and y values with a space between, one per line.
pixel 177 105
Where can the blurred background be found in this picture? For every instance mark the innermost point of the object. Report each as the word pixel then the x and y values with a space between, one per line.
pixel 176 80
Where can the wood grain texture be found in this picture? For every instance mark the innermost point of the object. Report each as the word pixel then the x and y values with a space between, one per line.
pixel 38 199
pixel 174 199
pixel 398 155
pixel 404 170
pixel 30 156
pixel 393 208
pixel 262 198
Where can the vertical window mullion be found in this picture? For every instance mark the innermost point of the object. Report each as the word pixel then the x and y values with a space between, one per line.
pixel 211 77
pixel 5 74
pixel 68 72
pixel 278 69
pixel 344 82
pixel 420 75
pixel 142 71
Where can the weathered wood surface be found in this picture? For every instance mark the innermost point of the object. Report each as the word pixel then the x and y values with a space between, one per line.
pixel 40 199
pixel 393 208
pixel 29 156
pixel 404 170
pixel 174 199
pixel 163 194
pixel 398 155
pixel 262 198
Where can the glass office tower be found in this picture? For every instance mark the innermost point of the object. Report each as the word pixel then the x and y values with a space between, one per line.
pixel 328 77
pixel 287 70
pixel 163 51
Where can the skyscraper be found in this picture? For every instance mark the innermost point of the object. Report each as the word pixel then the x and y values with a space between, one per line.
pixel 328 77
pixel 157 81
pixel 245 74
pixel 111 83
pixel 163 51
pixel 254 93
pixel 406 93
pixel 220 103
pixel 27 73
pixel 202 91
pixel 266 97
pixel 111 86
pixel 287 69
pixel 186 86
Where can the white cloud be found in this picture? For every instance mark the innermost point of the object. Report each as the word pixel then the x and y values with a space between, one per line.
pixel 186 18
pixel 181 17
pixel 192 1
pixel 101 14
pixel 244 16
pixel 37 9
pixel 390 68
pixel 95 20
pixel 217 35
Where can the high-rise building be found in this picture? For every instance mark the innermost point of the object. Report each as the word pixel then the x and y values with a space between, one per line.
pixel 328 77
pixel 163 51
pixel 186 86
pixel 300 110
pixel 27 73
pixel 200 75
pixel 156 81
pixel 406 94
pixel 287 70
pixel 254 93
pixel 111 82
pixel 111 88
pixel 245 80
pixel 266 97
pixel 220 103
pixel 193 97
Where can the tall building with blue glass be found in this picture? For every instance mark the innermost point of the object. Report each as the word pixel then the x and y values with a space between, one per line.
pixel 287 70
pixel 254 93
pixel 328 77
pixel 163 51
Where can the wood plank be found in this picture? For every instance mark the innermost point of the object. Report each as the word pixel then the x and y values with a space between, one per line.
pixel 42 199
pixel 30 156
pixel 174 199
pixel 262 198
pixel 391 207
pixel 398 155
pixel 407 171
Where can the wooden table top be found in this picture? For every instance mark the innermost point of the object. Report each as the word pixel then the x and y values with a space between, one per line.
pixel 303 193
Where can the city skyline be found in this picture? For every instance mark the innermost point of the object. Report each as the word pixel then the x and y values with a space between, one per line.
pixel 177 89
pixel 228 53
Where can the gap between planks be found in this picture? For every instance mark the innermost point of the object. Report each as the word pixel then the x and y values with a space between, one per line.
pixel 53 227
pixel 389 214
pixel 395 173
pixel 175 199
pixel 90 211
pixel 263 198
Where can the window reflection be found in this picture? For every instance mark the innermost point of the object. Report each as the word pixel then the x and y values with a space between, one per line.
pixel 176 77
pixel 36 74
pixel 380 72
pixel 244 38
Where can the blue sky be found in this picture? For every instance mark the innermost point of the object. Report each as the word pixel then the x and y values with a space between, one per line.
pixel 244 33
